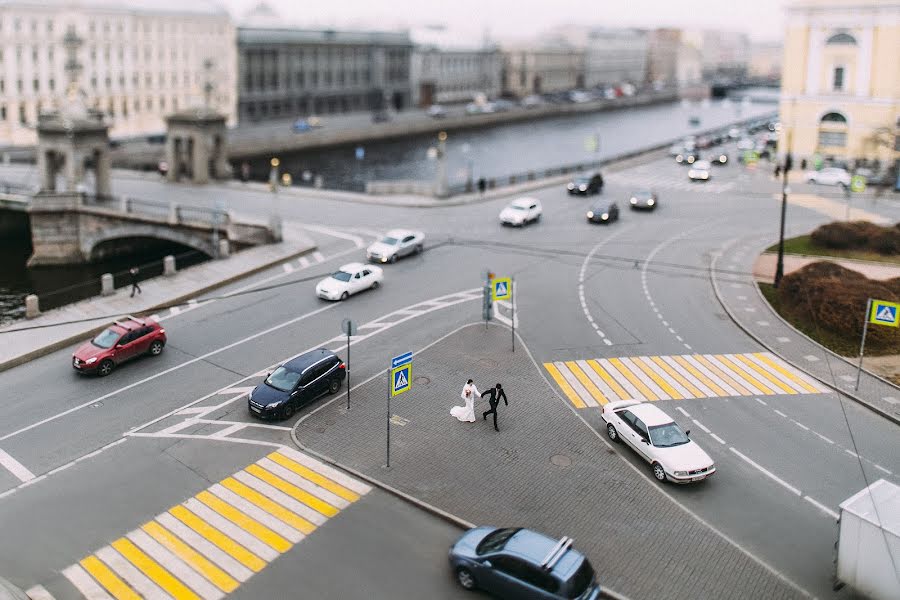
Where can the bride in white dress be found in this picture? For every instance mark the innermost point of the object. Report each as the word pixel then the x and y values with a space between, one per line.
pixel 466 413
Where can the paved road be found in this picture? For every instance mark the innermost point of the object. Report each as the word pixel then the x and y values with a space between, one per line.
pixel 646 293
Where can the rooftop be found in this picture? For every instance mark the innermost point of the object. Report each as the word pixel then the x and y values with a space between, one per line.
pixel 174 7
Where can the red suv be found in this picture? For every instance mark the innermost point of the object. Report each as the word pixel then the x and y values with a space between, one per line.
pixel 121 341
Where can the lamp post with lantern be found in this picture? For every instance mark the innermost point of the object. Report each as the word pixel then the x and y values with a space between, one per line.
pixel 275 217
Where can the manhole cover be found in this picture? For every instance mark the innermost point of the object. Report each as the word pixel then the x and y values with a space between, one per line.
pixel 422 380
pixel 488 362
pixel 320 429
pixel 561 460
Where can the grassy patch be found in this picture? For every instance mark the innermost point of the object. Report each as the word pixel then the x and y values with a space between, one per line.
pixel 804 245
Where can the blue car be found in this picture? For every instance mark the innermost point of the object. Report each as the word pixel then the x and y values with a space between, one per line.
pixel 522 564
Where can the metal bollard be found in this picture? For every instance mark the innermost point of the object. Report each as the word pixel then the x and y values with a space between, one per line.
pixel 106 285
pixel 224 249
pixel 32 307
pixel 169 266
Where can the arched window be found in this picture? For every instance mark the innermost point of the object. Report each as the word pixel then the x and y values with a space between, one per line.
pixel 844 39
pixel 834 117
pixel 833 130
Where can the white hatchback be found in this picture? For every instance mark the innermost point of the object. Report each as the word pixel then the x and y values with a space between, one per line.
pixel 657 439
pixel 352 278
pixel 521 211
pixel 829 176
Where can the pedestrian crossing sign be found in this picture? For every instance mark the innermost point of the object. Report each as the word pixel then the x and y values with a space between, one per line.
pixel 501 288
pixel 885 313
pixel 401 380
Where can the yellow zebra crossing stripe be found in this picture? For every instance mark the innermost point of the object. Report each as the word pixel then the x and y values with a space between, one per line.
pixel 595 382
pixel 208 545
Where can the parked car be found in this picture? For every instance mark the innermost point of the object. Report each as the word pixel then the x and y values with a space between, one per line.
pixel 395 244
pixel 350 279
pixel 302 125
pixel 473 109
pixel 580 96
pixel 586 185
pixel 381 116
pixel 657 439
pixel 746 144
pixel 502 105
pixel 676 149
pixel 297 383
pixel 122 341
pixel 829 176
pixel 533 101
pixel 603 212
pixel 700 171
pixel 521 211
pixel 436 111
pixel 522 564
pixel 718 159
pixel 644 200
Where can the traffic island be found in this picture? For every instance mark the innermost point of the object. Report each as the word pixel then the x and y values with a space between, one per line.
pixel 545 469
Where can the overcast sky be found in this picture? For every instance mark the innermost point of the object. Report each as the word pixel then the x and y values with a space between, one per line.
pixel 762 19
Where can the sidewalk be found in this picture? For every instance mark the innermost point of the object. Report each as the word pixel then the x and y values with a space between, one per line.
pixel 764 267
pixel 545 469
pixel 18 346
pixel 745 304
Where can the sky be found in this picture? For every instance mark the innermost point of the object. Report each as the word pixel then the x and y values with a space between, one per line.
pixel 516 19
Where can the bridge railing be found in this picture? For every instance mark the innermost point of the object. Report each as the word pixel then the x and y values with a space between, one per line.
pixel 171 211
pixel 10 187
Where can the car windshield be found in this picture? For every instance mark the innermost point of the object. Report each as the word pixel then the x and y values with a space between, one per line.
pixel 516 207
pixel 581 580
pixel 283 379
pixel 342 276
pixel 643 195
pixel 389 241
pixel 582 180
pixel 668 435
pixel 106 339
pixel 495 541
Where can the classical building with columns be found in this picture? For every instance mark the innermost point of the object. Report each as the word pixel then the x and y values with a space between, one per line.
pixel 840 94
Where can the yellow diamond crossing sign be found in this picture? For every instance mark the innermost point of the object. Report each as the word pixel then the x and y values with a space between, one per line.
pixel 885 313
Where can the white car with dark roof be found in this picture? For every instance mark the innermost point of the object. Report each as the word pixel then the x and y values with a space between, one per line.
pixel 658 439
pixel 350 279
pixel 521 211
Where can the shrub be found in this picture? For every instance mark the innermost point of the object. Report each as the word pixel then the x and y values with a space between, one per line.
pixel 858 235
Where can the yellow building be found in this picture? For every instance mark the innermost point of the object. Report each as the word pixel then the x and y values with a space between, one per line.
pixel 840 87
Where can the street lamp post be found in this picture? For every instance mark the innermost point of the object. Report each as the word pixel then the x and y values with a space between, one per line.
pixel 274 218
pixel 441 180
pixel 788 163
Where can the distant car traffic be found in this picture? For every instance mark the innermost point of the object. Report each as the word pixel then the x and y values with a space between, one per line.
pixel 829 176
pixel 644 200
pixel 676 149
pixel 521 211
pixel 688 157
pixel 350 279
pixel 302 125
pixel 381 116
pixel 718 159
pixel 296 383
pixel 746 144
pixel 521 564
pixel 657 439
pixel 436 111
pixel 603 212
pixel 533 101
pixel 700 171
pixel 586 185
pixel 395 244
pixel 120 342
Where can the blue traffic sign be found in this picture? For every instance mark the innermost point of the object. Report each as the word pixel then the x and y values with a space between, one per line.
pixel 885 313
pixel 501 288
pixel 360 153
pixel 401 379
pixel 403 359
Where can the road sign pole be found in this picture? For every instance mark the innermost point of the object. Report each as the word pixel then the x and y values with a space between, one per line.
pixel 512 285
pixel 388 420
pixel 348 369
pixel 862 344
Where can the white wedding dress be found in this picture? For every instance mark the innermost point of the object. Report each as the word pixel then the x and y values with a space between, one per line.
pixel 466 413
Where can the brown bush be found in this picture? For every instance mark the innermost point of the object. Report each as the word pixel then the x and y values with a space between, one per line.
pixel 854 235
pixel 833 299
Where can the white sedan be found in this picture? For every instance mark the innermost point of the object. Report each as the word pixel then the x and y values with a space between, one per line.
pixel 658 440
pixel 351 279
pixel 521 212
pixel 395 244
pixel 700 171
pixel 829 176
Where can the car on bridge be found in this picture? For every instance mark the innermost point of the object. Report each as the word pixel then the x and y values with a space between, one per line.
pixel 644 200
pixel 350 279
pixel 521 211
pixel 657 439
pixel 297 383
pixel 586 185
pixel 120 342
pixel 603 212
pixel 395 244
pixel 513 562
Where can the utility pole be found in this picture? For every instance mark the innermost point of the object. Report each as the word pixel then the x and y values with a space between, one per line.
pixel 788 164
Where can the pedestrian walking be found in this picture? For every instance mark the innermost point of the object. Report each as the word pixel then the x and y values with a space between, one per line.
pixel 466 413
pixel 777 171
pixel 496 394
pixel 133 277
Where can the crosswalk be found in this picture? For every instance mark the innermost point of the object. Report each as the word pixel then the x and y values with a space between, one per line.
pixel 595 382
pixel 207 546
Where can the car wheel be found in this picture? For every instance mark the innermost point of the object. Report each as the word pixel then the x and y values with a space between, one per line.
pixel 612 433
pixel 659 472
pixel 344 296
pixel 106 367
pixel 465 578
pixel 375 285
pixel 334 386
pixel 156 348
pixel 288 411
pixel 393 258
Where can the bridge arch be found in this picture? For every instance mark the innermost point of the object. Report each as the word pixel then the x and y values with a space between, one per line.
pixel 197 241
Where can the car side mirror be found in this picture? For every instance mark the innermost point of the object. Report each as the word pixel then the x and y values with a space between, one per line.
pixel 687 432
pixel 646 441
pixel 486 563
pixel 120 345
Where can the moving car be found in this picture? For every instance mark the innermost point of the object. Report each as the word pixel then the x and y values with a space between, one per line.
pixel 644 200
pixel 533 101
pixel 350 279
pixel 603 212
pixel 746 144
pixel 436 111
pixel 829 176
pixel 522 564
pixel 700 171
pixel 656 438
pixel 688 157
pixel 676 149
pixel 302 125
pixel 296 383
pixel 586 185
pixel 718 159
pixel 395 244
pixel 521 211
pixel 123 340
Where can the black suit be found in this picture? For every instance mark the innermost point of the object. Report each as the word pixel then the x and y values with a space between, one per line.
pixel 496 396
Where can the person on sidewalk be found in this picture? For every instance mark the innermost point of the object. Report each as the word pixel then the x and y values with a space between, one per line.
pixel 497 394
pixel 466 413
pixel 133 277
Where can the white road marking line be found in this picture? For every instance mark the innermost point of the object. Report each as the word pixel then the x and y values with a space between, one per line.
pixel 288 267
pixel 15 467
pixel 762 323
pixel 194 410
pixel 665 323
pixel 778 412
pixel 38 592
pixel 639 373
pixel 688 347
pixel 679 338
pixel 192 302
pixel 851 453
pixel 824 439
pixel 205 547
pixel 124 569
pixel 317 256
pixel 682 411
pixel 238 534
pixel 238 390
pixel 61 468
pixel 154 317
pixel 767 473
pixel 717 438
pixel 304 262
pixel 891 400
pixel 84 583
pixel 229 430
pixel 822 507
pixel 280 497
pixel 174 310
pixel 605 340
pixel 880 468
pixel 357 241
pixel 763 402
pixel 811 358
pixel 800 425
pixel 749 309
pixel 848 378
pixel 175 565
pixel 742 297
pixel 672 331
pixel 701 426
pixel 252 510
pixel 783 340
pixel 580 390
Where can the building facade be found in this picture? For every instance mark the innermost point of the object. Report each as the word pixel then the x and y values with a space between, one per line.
pixel 445 69
pixel 542 69
pixel 139 61
pixel 765 61
pixel 840 94
pixel 662 55
pixel 726 54
pixel 614 56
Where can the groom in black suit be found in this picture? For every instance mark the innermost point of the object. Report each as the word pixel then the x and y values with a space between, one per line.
pixel 497 394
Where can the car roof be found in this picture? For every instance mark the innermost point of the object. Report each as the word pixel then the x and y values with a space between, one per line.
pixel 352 267
pixel 399 233
pixel 598 204
pixel 525 201
pixel 309 358
pixel 649 414
pixel 535 547
pixel 701 164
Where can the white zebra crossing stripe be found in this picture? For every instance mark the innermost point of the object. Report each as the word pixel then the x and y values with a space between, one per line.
pixel 257 513
pixel 85 584
pixel 241 536
pixel 38 592
pixel 175 566
pixel 314 517
pixel 303 483
pixel 137 580
pixel 205 547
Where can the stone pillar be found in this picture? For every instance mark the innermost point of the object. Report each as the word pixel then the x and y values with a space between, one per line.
pixel 224 249
pixel 103 185
pixel 172 157
pixel 47 169
pixel 106 285
pixel 32 307
pixel 200 160
pixel 73 169
pixel 169 266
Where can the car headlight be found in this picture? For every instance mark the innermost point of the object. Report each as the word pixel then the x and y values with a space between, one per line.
pixel 634 200
pixel 384 259
pixel 604 216
pixel 91 360
pixel 691 159
pixel 651 202
pixel 590 214
pixel 723 158
pixel 681 473
pixel 704 176
pixel 692 173
pixel 272 405
pixel 582 188
pixel 571 186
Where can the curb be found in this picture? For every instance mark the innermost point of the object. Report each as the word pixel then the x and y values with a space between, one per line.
pixel 59 344
pixel 10 592
pixel 712 269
